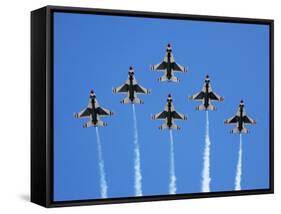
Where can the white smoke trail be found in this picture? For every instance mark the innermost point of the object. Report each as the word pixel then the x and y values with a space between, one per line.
pixel 137 163
pixel 239 167
pixel 206 158
pixel 103 183
pixel 173 179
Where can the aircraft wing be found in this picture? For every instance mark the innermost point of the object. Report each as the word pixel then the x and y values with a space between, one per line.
pixel 103 111
pixel 178 116
pixel 248 120
pixel 121 89
pixel 179 68
pixel 84 113
pixel 141 90
pixel 231 120
pixel 198 96
pixel 214 96
pixel 160 66
pixel 160 116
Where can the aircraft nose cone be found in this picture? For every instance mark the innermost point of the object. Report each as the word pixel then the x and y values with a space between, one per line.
pixel 92 94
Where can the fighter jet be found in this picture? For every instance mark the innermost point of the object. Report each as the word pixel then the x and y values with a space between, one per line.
pixel 240 119
pixel 94 112
pixel 169 66
pixel 169 114
pixel 131 88
pixel 206 95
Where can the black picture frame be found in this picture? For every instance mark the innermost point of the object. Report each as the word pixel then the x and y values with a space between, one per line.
pixel 42 105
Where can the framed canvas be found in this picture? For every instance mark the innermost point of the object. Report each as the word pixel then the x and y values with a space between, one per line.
pixel 134 106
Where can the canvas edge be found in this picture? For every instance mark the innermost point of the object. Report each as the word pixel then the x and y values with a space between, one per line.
pixel 38 153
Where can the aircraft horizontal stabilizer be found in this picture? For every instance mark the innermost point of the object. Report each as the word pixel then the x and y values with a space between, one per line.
pixel 165 126
pixel 236 131
pixel 90 124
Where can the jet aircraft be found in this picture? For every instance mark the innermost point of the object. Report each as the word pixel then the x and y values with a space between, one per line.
pixel 169 114
pixel 131 88
pixel 206 95
pixel 240 119
pixel 168 66
pixel 93 111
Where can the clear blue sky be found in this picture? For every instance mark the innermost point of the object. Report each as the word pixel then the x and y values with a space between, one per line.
pixel 95 52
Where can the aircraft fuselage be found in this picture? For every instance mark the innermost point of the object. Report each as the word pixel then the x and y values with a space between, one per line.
pixel 240 119
pixel 169 115
pixel 131 89
pixel 169 66
pixel 206 96
pixel 94 112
